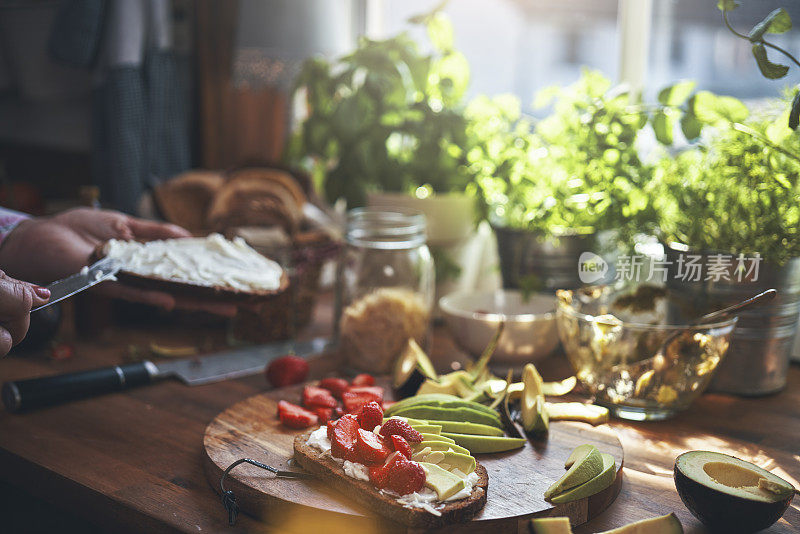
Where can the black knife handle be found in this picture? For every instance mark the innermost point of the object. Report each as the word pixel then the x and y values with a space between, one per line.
pixel 49 390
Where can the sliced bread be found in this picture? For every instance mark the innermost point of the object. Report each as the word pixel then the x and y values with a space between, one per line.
pixel 329 470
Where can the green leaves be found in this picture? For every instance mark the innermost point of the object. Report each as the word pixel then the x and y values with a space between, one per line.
pixel 677 94
pixel 794 114
pixel 440 32
pixel 770 70
pixel 663 126
pixel 778 21
pixel 385 116
pixel 727 5
pixel 718 110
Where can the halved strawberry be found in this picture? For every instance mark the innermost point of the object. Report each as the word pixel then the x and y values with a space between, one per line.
pixel 345 433
pixel 370 416
pixel 314 397
pixel 336 386
pixel 295 416
pixel 378 474
pixel 363 380
pixel 400 444
pixel 405 477
pixel 398 427
pixel 370 450
pixel 324 414
pixel 356 397
pixel 375 391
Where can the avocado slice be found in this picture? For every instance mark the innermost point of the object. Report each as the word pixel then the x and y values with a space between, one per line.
pixel 550 525
pixel 597 484
pixel 729 494
pixel 556 389
pixel 579 452
pixel 427 429
pixel 664 524
pixel 585 467
pixel 463 462
pixel 411 369
pixel 438 446
pixel 463 427
pixel 436 437
pixel 485 444
pixel 577 411
pixel 438 400
pixel 535 419
pixel 435 413
pixel 443 482
pixel 435 386
pixel 531 380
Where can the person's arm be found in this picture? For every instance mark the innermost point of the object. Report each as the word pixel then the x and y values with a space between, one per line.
pixel 50 248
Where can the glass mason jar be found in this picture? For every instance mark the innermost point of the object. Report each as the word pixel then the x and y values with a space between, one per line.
pixel 385 287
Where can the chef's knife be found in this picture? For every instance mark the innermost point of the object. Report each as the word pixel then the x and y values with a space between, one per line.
pixel 101 271
pixel 195 371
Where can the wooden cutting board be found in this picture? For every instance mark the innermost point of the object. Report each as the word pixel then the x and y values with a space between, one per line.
pixel 517 479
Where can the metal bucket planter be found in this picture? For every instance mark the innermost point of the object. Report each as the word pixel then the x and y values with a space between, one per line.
pixel 529 260
pixel 758 360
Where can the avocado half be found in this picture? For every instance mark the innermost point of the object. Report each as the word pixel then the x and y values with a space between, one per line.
pixel 728 494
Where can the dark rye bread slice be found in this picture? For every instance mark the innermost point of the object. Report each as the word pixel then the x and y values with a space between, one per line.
pixel 325 467
pixel 184 289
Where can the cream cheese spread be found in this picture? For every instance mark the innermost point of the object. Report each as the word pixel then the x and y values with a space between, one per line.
pixel 425 499
pixel 211 261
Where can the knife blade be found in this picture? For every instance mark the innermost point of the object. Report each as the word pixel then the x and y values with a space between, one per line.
pixel 100 271
pixel 45 391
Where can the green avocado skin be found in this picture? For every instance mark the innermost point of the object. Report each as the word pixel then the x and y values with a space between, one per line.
pixel 726 513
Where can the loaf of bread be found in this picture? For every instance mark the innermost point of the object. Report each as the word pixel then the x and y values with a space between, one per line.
pixel 185 199
pixel 326 468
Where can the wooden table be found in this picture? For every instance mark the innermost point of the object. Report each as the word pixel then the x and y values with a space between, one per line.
pixel 131 462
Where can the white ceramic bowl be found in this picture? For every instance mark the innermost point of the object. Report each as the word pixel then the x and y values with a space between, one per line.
pixel 530 333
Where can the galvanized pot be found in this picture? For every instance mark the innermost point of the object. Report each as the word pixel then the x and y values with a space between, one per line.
pixel 531 261
pixel 758 360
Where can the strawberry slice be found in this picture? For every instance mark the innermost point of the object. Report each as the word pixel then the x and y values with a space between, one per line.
pixel 331 426
pixel 356 397
pixel 345 433
pixel 370 416
pixel 400 444
pixel 324 414
pixel 370 449
pixel 379 474
pixel 336 386
pixel 314 397
pixel 363 380
pixel 405 476
pixel 295 416
pixel 375 391
pixel 398 427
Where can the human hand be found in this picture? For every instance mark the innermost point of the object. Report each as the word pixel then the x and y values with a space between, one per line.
pixel 16 300
pixel 50 248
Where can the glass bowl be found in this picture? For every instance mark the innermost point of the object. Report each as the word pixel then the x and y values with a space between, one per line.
pixel 629 357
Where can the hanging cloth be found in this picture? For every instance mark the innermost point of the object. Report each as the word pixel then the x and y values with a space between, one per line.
pixel 140 131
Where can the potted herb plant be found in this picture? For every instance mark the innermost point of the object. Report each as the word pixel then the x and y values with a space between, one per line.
pixel 730 220
pixel 549 188
pixel 385 126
